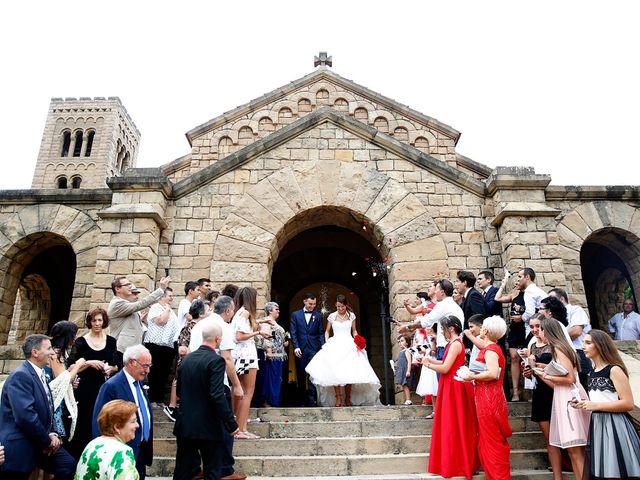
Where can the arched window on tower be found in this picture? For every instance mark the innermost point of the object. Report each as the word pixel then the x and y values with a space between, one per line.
pixel 285 115
pixel 322 97
pixel 245 135
pixel 90 135
pixel 78 145
pixel 76 181
pixel 266 125
pixel 61 182
pixel 66 143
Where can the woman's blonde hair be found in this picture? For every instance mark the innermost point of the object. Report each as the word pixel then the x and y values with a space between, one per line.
pixel 495 327
pixel 115 414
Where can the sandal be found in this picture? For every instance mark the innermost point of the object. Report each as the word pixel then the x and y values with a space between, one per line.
pixel 429 417
pixel 242 436
pixel 252 436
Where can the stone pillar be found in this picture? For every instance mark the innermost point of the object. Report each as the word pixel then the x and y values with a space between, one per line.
pixel 130 232
pixel 526 226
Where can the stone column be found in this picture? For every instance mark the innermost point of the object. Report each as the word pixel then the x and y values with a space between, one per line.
pixel 130 232
pixel 526 225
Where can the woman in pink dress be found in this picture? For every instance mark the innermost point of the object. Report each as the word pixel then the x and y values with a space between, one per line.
pixel 454 442
pixel 569 427
pixel 491 404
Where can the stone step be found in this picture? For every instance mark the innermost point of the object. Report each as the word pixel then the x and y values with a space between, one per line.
pixel 343 446
pixel 342 465
pixel 346 428
pixel 392 412
pixel 515 475
pixel 328 414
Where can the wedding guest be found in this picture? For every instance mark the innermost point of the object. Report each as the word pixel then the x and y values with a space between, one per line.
pixel 402 367
pixel 626 324
pixel 275 355
pixel 539 355
pixel 245 355
pixel 162 328
pixel 108 457
pixel 94 346
pixel 517 336
pixel 614 447
pixel 454 445
pixel 491 404
pixel 569 427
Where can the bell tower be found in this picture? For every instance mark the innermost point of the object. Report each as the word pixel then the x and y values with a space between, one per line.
pixel 85 141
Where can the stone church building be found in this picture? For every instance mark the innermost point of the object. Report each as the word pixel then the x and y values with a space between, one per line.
pixel 320 185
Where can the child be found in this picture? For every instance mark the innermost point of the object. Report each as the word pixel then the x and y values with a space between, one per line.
pixel 473 334
pixel 428 384
pixel 403 368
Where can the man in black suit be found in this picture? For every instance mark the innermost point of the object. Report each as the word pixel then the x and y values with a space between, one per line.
pixel 26 418
pixel 307 335
pixel 485 285
pixel 204 411
pixel 472 302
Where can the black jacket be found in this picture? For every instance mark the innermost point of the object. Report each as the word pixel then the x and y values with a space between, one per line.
pixel 204 410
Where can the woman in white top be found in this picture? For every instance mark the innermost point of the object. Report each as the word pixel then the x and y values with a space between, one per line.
pixel 245 355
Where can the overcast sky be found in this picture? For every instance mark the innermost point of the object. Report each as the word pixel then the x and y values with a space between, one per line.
pixel 548 84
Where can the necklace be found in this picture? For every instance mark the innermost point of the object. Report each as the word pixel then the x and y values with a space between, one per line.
pixel 342 317
pixel 96 343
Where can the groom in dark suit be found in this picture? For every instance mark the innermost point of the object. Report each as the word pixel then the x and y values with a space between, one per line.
pixel 26 418
pixel 307 335
pixel 127 385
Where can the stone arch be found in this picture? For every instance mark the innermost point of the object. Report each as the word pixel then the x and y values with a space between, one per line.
pixel 32 308
pixel 318 193
pixel 368 106
pixel 587 234
pixel 226 132
pixel 33 230
pixel 361 114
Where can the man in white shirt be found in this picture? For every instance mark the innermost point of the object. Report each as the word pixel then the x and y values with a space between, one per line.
pixel 223 311
pixel 445 307
pixel 626 324
pixel 532 294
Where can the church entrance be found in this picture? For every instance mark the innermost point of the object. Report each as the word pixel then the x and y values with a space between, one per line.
pixel 330 260
pixel 610 263
pixel 39 281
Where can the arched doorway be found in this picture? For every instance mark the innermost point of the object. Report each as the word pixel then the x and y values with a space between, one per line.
pixel 327 260
pixel 38 285
pixel 610 263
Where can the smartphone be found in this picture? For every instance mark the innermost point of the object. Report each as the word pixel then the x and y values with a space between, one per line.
pixel 166 272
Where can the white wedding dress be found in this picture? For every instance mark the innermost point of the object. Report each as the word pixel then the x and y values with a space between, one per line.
pixel 340 363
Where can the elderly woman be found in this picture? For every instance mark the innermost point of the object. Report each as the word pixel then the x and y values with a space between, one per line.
pixel 108 457
pixel 491 404
pixel 275 354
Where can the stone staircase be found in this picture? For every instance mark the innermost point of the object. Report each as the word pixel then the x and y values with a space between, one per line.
pixel 350 443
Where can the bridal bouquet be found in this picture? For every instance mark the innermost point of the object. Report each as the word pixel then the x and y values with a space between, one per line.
pixel 360 342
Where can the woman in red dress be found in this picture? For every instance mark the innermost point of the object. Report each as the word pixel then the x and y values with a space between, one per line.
pixel 491 404
pixel 454 442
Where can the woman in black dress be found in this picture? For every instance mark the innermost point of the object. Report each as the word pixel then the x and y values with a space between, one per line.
pixel 542 397
pixel 95 345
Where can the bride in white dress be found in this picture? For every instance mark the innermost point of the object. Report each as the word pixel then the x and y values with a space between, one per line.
pixel 340 364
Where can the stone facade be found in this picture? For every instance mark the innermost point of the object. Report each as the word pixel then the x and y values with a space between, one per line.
pixel 322 151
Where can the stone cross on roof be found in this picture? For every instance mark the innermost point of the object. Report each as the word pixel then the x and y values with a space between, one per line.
pixel 322 60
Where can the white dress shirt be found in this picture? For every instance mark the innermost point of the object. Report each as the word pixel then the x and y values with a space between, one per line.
pixel 442 309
